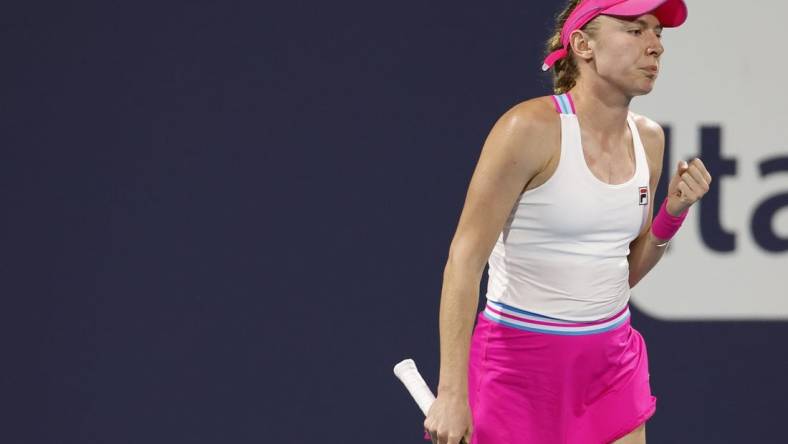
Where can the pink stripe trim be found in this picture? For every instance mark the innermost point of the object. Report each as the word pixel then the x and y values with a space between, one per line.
pixel 571 102
pixel 579 324
pixel 557 106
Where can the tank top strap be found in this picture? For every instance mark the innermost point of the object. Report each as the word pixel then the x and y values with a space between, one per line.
pixel 564 103
pixel 640 150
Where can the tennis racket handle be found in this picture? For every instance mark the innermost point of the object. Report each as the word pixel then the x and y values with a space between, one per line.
pixel 407 372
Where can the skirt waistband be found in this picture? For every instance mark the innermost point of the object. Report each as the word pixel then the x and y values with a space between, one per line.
pixel 525 320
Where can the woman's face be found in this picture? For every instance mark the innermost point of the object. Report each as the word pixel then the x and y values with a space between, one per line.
pixel 627 52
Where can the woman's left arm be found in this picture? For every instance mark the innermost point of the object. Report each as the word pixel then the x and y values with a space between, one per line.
pixel 689 185
pixel 644 253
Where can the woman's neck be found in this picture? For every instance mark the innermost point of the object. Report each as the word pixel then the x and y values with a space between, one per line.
pixel 602 110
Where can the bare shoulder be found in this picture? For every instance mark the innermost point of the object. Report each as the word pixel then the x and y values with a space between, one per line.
pixel 534 125
pixel 537 114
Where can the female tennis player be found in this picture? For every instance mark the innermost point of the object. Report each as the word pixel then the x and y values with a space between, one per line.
pixel 560 206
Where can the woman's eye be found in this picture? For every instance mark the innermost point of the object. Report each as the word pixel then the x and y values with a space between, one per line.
pixel 635 31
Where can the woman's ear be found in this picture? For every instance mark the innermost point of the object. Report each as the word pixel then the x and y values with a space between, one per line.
pixel 581 44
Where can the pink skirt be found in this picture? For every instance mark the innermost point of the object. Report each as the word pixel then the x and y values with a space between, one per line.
pixel 538 380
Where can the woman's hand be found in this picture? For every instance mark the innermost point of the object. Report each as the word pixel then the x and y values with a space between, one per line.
pixel 449 419
pixel 688 186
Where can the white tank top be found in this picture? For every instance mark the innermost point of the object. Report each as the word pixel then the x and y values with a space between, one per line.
pixel 563 250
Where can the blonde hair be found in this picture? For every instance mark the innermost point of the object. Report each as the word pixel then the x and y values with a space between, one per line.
pixel 565 71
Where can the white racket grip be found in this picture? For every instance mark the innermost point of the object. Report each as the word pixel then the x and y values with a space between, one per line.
pixel 407 372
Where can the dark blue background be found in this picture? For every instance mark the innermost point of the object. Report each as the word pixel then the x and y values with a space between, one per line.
pixel 225 222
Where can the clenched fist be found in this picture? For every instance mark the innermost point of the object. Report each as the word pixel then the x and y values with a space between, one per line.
pixel 690 183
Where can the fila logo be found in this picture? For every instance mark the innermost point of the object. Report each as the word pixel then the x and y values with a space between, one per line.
pixel 643 192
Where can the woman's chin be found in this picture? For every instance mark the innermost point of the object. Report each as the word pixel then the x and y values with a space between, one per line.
pixel 644 88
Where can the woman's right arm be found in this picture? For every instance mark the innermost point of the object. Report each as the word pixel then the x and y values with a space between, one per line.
pixel 517 148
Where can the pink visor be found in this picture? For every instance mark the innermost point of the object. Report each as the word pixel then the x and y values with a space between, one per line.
pixel 670 13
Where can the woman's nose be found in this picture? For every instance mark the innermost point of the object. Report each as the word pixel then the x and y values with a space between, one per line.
pixel 655 45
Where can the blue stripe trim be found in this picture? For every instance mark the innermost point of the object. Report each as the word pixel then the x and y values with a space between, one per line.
pixel 553 332
pixel 560 104
pixel 566 105
pixel 517 310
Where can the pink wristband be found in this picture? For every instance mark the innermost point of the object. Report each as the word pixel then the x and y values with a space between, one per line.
pixel 665 225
